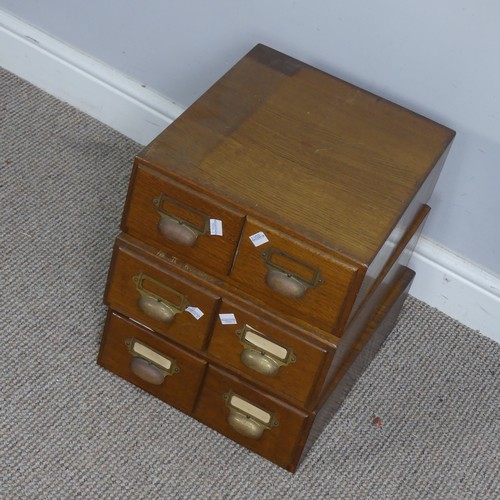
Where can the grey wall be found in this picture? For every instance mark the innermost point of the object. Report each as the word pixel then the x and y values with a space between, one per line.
pixel 440 59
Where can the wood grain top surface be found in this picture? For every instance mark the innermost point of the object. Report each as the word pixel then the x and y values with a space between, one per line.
pixel 310 153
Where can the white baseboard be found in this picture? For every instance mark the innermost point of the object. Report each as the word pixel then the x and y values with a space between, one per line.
pixel 85 83
pixel 453 285
pixel 459 288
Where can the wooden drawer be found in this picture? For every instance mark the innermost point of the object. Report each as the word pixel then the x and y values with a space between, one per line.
pixel 159 298
pixel 277 355
pixel 150 362
pixel 265 425
pixel 295 278
pixel 174 218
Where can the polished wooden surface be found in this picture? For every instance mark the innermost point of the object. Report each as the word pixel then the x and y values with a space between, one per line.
pixel 287 443
pixel 330 173
pixel 299 382
pixel 387 282
pixel 216 287
pixel 317 361
pixel 200 392
pixel 307 152
pixel 326 305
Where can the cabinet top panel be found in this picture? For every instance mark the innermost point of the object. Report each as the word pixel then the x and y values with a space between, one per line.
pixel 308 152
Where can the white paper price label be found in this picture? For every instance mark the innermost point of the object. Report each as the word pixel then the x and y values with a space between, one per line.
pixel 195 312
pixel 215 227
pixel 228 319
pixel 258 238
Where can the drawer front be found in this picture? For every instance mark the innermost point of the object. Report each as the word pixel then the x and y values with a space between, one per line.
pixel 159 298
pixel 269 353
pixel 150 362
pixel 265 425
pixel 180 221
pixel 293 277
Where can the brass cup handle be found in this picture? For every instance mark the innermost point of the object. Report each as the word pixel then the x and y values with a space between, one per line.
pixel 176 229
pixel 155 306
pixel 261 353
pixel 260 362
pixel 177 232
pixel 285 284
pixel 146 371
pixel 280 277
pixel 246 418
pixel 244 425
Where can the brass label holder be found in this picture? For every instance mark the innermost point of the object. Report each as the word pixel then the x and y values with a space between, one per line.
pixel 315 274
pixel 177 308
pixel 167 366
pixel 261 354
pixel 199 230
pixel 246 418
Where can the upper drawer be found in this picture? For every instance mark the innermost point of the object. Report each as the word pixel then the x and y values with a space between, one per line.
pixel 293 277
pixel 159 298
pixel 181 221
pixel 277 355
pixel 150 362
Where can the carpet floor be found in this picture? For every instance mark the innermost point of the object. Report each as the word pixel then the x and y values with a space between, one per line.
pixel 70 429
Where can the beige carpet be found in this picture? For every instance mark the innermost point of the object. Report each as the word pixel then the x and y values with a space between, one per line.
pixel 69 429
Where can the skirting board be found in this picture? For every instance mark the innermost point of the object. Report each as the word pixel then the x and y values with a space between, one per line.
pixel 85 83
pixel 444 280
pixel 458 287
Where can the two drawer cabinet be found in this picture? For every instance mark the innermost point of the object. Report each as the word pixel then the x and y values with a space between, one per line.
pixel 264 249
pixel 279 431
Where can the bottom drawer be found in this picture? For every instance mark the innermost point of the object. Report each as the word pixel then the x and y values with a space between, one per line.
pixel 265 425
pixel 150 362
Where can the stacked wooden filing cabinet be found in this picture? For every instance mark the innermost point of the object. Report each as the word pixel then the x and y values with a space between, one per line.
pixel 262 260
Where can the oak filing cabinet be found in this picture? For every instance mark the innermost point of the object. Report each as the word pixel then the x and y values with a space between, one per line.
pixel 262 260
